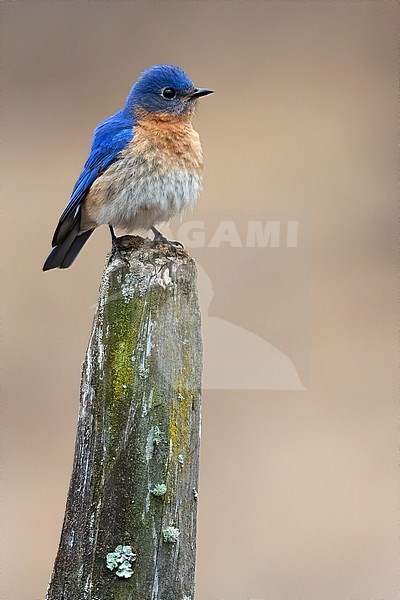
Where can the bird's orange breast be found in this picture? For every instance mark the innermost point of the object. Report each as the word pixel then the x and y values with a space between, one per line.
pixel 167 140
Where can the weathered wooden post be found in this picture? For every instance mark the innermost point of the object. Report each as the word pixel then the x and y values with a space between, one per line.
pixel 129 531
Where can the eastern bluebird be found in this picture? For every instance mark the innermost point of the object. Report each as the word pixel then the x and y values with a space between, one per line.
pixel 144 167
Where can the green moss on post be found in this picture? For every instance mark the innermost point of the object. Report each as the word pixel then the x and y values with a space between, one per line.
pixel 138 436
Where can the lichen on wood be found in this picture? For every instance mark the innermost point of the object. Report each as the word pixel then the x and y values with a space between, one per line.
pixel 138 427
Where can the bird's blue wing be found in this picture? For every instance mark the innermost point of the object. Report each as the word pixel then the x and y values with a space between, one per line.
pixel 110 137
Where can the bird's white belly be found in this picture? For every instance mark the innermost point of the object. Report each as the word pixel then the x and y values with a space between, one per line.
pixel 138 195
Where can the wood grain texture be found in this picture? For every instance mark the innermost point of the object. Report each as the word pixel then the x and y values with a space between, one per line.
pixel 138 427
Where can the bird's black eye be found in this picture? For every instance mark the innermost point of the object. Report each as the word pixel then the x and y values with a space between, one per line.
pixel 168 93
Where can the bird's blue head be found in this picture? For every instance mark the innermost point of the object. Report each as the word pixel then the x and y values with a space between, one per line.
pixel 164 89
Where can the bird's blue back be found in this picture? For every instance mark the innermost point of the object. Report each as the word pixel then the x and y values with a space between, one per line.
pixel 110 137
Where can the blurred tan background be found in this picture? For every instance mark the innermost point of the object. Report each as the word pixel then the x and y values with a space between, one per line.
pixel 298 492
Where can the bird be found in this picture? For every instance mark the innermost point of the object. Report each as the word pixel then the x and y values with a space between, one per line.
pixel 144 167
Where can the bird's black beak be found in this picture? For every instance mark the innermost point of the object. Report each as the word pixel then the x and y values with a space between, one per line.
pixel 198 92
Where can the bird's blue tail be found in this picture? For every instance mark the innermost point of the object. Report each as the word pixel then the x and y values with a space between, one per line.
pixel 64 254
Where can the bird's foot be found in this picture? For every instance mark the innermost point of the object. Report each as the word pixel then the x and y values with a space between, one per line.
pixel 118 247
pixel 159 238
